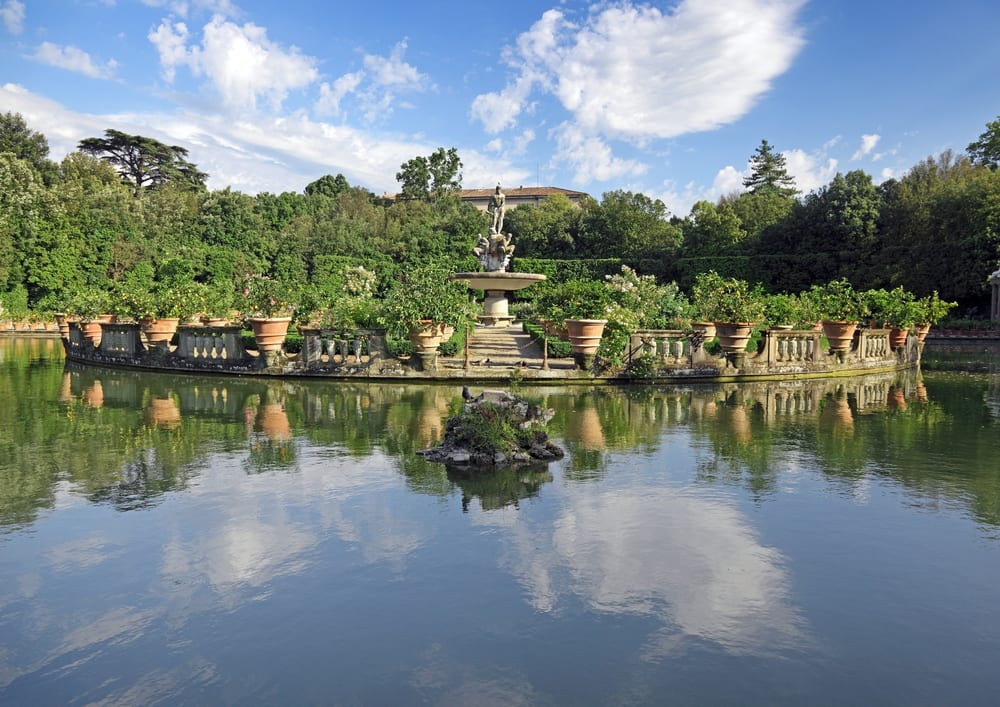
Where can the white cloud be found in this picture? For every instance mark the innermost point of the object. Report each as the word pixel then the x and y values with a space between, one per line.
pixel 239 61
pixel 331 94
pixel 868 143
pixel 73 59
pixel 257 153
pixel 811 170
pixel 590 157
pixel 170 41
pixel 376 87
pixel 393 71
pixel 636 72
pixel 12 15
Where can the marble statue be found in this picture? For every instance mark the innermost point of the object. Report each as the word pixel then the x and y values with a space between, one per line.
pixel 496 209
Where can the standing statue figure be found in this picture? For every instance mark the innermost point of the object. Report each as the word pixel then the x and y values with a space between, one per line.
pixel 495 209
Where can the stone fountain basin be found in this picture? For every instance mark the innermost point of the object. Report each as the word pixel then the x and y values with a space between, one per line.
pixel 506 281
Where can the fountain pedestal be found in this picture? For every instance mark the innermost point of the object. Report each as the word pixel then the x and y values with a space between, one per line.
pixel 497 285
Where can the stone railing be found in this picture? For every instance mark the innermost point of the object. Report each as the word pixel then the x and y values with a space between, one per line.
pixel 671 347
pixel 210 343
pixel 330 347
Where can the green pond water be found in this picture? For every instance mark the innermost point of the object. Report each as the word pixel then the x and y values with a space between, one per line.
pixel 186 540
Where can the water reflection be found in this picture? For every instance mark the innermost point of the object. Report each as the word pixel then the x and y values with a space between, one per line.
pixel 694 563
pixel 212 539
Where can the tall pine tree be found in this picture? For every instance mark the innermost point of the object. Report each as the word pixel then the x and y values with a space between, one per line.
pixel 768 173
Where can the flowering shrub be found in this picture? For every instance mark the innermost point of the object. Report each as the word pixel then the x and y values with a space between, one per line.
pixel 640 303
pixel 263 296
pixel 359 282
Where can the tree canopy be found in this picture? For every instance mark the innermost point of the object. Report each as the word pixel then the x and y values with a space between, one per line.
pixel 768 172
pixel 144 162
pixel 986 150
pixel 431 177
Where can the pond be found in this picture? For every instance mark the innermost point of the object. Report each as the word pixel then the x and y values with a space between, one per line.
pixel 170 539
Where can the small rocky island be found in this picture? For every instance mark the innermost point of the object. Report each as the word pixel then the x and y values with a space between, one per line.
pixel 495 429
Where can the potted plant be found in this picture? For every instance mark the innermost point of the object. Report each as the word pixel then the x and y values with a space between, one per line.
pixel 840 308
pixel 90 307
pixel 732 305
pixel 783 310
pixel 266 305
pixel 932 310
pixel 582 306
pixel 899 312
pixel 425 305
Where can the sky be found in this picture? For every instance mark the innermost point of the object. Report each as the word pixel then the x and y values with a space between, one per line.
pixel 669 99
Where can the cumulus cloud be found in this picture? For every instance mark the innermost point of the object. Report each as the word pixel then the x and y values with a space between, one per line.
pixel 257 152
pixel 331 94
pixel 12 15
pixel 376 87
pixel 811 170
pixel 636 72
pixel 589 156
pixel 73 59
pixel 868 143
pixel 239 61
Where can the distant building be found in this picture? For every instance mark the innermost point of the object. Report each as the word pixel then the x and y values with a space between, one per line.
pixel 516 196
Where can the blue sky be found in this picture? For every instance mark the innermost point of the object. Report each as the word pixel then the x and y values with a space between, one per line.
pixel 665 98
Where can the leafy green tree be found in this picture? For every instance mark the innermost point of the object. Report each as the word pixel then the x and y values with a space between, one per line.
pixel 144 162
pixel 628 225
pixel 431 177
pixel 986 150
pixel 23 203
pixel 768 172
pixel 26 144
pixel 327 186
pixel 548 230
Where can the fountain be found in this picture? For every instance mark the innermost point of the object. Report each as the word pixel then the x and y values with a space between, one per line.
pixel 494 252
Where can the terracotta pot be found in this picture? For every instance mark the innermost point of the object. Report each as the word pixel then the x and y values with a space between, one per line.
pixel 585 335
pixel 840 335
pixel 922 330
pixel 91 331
pixel 897 338
pixel 706 328
pixel 733 336
pixel 428 335
pixel 161 330
pixel 269 332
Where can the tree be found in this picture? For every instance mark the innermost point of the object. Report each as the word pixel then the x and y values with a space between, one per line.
pixel 328 185
pixel 432 176
pixel 768 172
pixel 25 144
pixel 548 230
pixel 986 150
pixel 144 162
pixel 628 225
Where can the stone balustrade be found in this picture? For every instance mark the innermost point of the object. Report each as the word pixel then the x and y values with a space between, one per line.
pixel 210 343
